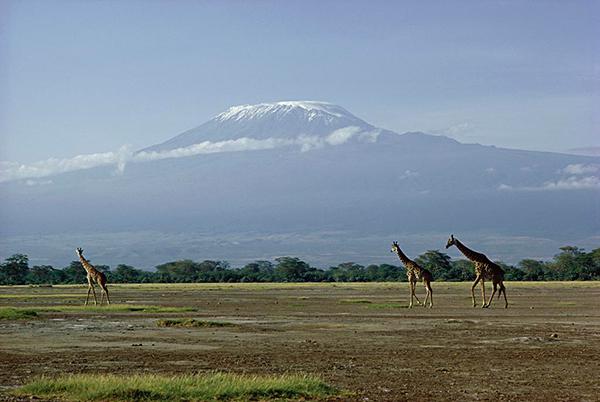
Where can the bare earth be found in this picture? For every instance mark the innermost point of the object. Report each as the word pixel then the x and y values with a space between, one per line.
pixel 358 337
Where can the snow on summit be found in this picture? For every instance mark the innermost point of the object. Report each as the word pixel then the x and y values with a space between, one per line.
pixel 311 108
pixel 279 120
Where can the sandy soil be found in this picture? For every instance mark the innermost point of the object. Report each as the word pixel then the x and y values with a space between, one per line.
pixel 359 337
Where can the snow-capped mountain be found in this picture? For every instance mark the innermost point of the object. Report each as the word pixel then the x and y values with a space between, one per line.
pixel 282 120
pixel 308 179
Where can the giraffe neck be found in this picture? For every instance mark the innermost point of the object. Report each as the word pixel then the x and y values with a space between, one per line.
pixel 470 254
pixel 86 264
pixel 405 260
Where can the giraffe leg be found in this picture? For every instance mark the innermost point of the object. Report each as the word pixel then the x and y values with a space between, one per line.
pixel 473 288
pixel 88 295
pixel 105 290
pixel 430 291
pixel 503 290
pixel 493 293
pixel 426 295
pixel 94 293
pixel 414 288
pixel 410 286
pixel 483 305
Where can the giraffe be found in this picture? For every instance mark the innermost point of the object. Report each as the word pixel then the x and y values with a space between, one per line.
pixel 93 275
pixel 484 269
pixel 414 273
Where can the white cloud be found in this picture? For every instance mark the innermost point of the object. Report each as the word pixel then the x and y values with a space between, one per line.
pixel 52 166
pixel 490 170
pixel 574 183
pixel 408 174
pixel 569 183
pixel 30 182
pixel 580 169
pixel 342 135
pixel 574 177
pixel 16 171
pixel 207 147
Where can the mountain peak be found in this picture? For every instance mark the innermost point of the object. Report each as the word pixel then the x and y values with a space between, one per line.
pixel 309 109
pixel 282 120
pixel 283 106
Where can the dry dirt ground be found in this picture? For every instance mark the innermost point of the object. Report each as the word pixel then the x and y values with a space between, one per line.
pixel 358 337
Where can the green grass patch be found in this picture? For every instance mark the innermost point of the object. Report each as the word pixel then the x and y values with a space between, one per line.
pixel 566 304
pixel 11 313
pixel 116 308
pixel 34 295
pixel 191 323
pixel 387 305
pixel 355 301
pixel 112 308
pixel 152 387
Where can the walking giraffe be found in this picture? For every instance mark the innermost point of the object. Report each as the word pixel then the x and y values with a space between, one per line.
pixel 414 273
pixel 484 269
pixel 93 275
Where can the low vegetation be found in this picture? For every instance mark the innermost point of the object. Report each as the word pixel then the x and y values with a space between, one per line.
pixel 151 387
pixel 355 301
pixel 11 313
pixel 387 305
pixel 191 323
pixel 572 263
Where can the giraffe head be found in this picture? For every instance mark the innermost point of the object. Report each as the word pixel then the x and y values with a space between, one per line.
pixel 451 241
pixel 79 251
pixel 395 247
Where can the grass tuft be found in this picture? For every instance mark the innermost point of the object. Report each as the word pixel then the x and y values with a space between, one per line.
pixel 152 387
pixel 191 323
pixel 112 308
pixel 355 301
pixel 387 305
pixel 11 313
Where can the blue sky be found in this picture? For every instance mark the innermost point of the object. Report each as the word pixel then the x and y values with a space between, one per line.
pixel 79 77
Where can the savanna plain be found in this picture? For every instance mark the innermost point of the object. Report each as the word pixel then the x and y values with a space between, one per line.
pixel 359 339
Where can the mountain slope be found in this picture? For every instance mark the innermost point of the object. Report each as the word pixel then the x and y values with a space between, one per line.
pixel 339 201
pixel 282 120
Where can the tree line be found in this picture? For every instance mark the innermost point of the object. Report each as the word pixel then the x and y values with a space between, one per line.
pixel 572 263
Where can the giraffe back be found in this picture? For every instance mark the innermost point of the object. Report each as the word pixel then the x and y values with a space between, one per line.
pixel 414 270
pixel 489 270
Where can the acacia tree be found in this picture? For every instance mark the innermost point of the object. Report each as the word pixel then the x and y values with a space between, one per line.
pixel 533 270
pixel 291 269
pixel 437 263
pixel 40 274
pixel 14 270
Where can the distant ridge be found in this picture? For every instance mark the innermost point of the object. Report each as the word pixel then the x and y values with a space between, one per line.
pixel 586 151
